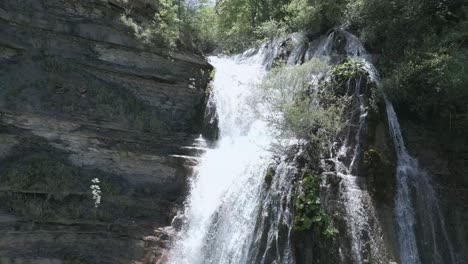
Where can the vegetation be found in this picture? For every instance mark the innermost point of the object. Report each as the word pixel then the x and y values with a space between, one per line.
pixel 312 102
pixel 181 24
pixel 39 172
pixel 163 30
pixel 309 214
pixel 422 46
pixel 293 103
pixel 242 22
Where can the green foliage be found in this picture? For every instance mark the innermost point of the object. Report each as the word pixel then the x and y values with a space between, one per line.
pixel 423 47
pixel 163 30
pixel 236 22
pixel 343 73
pixel 269 30
pixel 313 15
pixel 201 25
pixel 309 214
pixel 300 15
pixel 294 107
pixel 350 68
pixel 243 22
pixel 393 27
pixel 166 22
pixel 433 86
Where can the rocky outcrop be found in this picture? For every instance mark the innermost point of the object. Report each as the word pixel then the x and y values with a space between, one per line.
pixel 81 98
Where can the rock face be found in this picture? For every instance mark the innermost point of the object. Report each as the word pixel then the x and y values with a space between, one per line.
pixel 81 98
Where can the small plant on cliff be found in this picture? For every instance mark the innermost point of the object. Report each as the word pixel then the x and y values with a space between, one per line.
pixel 309 214
pixel 96 192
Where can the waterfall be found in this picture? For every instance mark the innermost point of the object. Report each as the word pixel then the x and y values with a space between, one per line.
pixel 403 208
pixel 233 214
pixel 227 189
pixel 415 197
pixel 428 232
pixel 410 175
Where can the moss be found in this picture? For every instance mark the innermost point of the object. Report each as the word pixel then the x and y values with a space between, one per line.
pixel 209 89
pixel 309 213
pixel 212 74
pixel 40 172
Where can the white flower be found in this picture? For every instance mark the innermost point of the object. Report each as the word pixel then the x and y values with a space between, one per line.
pixel 96 192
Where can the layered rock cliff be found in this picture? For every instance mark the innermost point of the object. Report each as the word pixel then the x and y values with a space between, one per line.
pixel 81 98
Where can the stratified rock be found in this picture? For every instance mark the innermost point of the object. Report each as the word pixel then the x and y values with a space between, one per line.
pixel 81 97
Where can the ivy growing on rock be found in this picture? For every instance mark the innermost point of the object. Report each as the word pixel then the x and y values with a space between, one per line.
pixel 308 210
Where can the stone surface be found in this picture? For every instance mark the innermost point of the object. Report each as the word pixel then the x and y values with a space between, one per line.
pixel 81 97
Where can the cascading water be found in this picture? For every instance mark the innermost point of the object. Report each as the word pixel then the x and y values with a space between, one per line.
pixel 232 214
pixel 225 223
pixel 226 191
pixel 410 175
pixel 403 207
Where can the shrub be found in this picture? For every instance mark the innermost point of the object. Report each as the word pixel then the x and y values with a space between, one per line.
pixel 432 86
pixel 269 30
pixel 341 76
pixel 163 30
pixel 289 94
pixel 302 15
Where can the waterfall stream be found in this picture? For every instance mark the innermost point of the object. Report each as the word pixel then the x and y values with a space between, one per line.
pixel 226 191
pixel 429 232
pixel 410 175
pixel 231 217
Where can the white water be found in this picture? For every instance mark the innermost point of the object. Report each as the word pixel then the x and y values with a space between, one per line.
pixel 403 206
pixel 413 181
pixel 410 175
pixel 226 190
pixel 429 232
pixel 224 220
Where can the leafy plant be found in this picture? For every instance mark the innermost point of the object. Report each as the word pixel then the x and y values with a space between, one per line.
pixel 308 212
